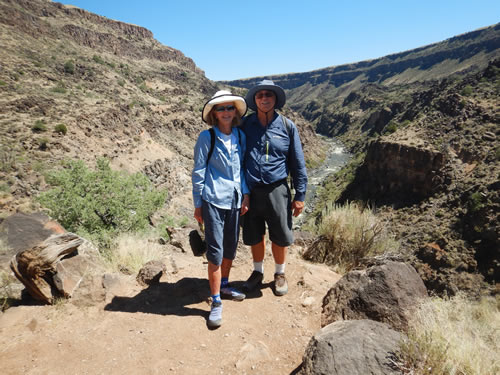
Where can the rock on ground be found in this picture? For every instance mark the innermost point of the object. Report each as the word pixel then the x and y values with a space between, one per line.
pixel 351 348
pixel 384 293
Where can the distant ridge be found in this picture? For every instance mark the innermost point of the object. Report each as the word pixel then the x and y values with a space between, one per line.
pixel 465 52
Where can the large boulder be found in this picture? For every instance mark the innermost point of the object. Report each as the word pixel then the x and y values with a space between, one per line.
pixel 22 231
pixel 385 293
pixel 350 348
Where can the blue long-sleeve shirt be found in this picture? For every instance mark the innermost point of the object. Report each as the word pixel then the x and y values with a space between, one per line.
pixel 217 182
pixel 272 153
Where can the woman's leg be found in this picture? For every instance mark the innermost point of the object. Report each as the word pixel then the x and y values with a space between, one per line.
pixel 226 267
pixel 214 278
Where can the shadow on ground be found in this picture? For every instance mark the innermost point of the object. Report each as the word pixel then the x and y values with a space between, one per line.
pixel 166 299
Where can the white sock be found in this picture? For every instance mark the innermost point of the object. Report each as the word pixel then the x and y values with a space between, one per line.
pixel 279 268
pixel 258 266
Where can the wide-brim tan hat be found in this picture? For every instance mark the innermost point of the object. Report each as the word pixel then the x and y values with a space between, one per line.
pixel 224 96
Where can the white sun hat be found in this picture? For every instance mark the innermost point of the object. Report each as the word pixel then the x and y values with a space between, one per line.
pixel 224 96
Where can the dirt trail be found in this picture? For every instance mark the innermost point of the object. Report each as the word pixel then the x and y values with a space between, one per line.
pixel 162 329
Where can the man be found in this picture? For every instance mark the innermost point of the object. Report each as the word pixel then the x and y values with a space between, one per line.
pixel 273 150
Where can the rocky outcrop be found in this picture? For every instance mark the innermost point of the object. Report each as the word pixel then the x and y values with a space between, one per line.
pixel 398 173
pixel 385 293
pixel 378 120
pixel 352 348
pixel 118 45
pixel 123 39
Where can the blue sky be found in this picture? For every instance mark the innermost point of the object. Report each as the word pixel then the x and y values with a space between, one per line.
pixel 241 39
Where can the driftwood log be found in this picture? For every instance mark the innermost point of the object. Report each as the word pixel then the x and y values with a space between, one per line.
pixel 35 267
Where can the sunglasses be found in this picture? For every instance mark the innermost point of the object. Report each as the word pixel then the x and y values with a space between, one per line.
pixel 267 94
pixel 225 108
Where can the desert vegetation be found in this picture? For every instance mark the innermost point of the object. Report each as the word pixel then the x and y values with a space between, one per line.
pixel 101 203
pixel 347 234
pixel 453 336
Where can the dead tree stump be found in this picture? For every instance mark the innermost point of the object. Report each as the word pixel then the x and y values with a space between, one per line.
pixel 36 267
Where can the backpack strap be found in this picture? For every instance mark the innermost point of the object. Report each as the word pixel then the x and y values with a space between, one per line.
pixel 212 144
pixel 288 127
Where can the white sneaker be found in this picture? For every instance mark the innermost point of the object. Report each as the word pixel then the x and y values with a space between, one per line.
pixel 232 293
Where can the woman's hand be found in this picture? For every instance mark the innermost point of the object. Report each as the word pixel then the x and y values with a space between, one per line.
pixel 245 205
pixel 197 215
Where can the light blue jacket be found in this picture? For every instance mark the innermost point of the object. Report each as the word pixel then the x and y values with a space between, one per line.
pixel 217 183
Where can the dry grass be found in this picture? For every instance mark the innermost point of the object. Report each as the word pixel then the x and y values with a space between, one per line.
pixel 453 336
pixel 130 252
pixel 347 234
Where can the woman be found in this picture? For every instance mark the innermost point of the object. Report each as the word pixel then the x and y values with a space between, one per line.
pixel 220 193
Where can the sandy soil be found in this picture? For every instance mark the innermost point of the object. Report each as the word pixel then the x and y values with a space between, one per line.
pixel 162 329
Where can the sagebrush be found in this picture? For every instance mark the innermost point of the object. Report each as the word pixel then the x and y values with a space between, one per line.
pixel 347 234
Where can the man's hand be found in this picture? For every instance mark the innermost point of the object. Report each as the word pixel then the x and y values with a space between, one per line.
pixel 297 208
pixel 245 204
pixel 197 215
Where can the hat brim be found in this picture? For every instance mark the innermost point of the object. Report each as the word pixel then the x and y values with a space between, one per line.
pixel 239 103
pixel 278 91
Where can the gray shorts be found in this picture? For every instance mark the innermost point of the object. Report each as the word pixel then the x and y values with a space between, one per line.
pixel 271 204
pixel 222 230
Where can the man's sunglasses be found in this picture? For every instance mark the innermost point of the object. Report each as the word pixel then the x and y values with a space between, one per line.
pixel 225 108
pixel 267 94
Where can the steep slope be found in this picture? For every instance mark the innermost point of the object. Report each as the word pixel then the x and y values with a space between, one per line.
pixel 77 85
pixel 116 90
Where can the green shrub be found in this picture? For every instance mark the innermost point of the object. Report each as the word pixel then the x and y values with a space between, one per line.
pixel 98 59
pixel 43 144
pixel 121 82
pixel 475 202
pixel 69 67
pixel 7 158
pixel 61 129
pixel 467 90
pixel 59 89
pixel 39 126
pixel 100 203
pixel 391 128
pixel 2 83
pixel 4 187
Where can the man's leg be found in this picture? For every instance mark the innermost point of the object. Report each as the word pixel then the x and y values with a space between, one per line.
pixel 280 283
pixel 255 279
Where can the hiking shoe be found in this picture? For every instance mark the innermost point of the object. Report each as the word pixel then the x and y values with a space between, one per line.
pixel 253 281
pixel 231 293
pixel 280 284
pixel 215 317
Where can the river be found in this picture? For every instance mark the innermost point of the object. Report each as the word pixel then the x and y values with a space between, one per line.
pixel 335 159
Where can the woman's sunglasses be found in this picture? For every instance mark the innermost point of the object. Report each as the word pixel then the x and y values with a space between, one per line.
pixel 225 108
